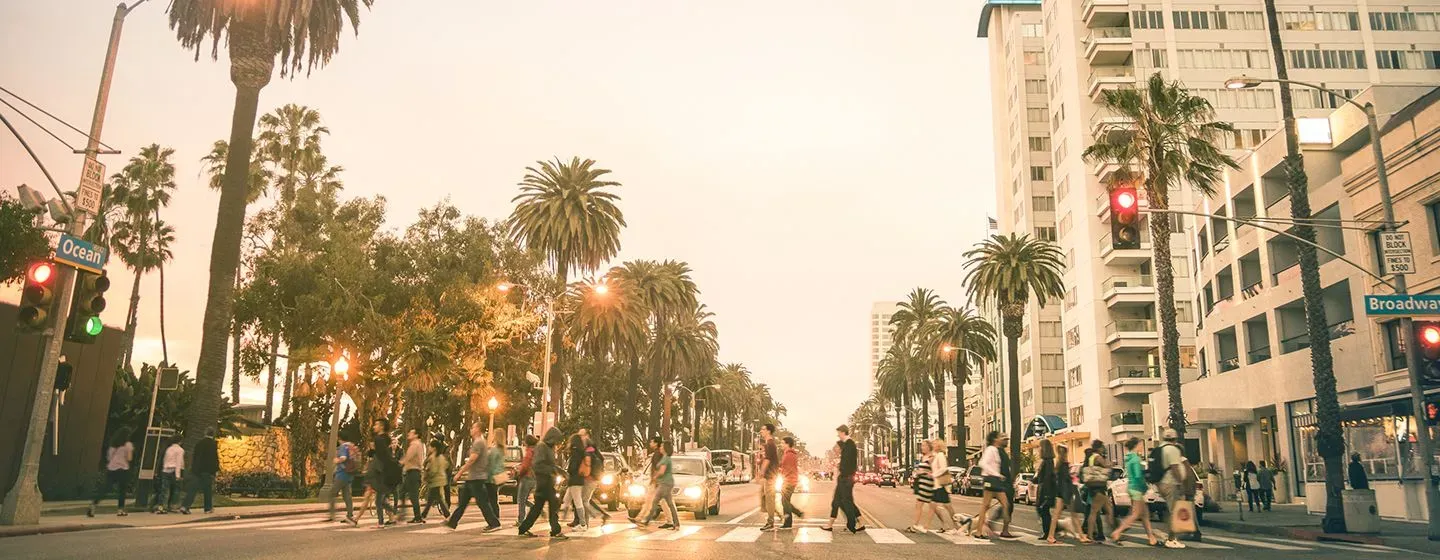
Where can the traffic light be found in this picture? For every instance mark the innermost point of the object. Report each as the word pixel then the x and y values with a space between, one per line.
pixel 84 325
pixel 1124 217
pixel 37 299
pixel 1427 335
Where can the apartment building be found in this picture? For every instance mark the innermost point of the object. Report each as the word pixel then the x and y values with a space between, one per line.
pixel 882 334
pixel 1047 82
pixel 1253 399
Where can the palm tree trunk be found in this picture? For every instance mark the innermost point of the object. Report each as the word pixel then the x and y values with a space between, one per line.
pixel 270 384
pixel 132 321
pixel 909 433
pixel 557 372
pixel 252 61
pixel 653 425
pixel 668 399
pixel 1329 439
pixel 237 330
pixel 924 418
pixel 164 344
pixel 1012 329
pixel 1165 303
pixel 940 406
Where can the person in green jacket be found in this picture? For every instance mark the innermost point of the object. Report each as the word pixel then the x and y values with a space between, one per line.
pixel 437 478
pixel 1135 484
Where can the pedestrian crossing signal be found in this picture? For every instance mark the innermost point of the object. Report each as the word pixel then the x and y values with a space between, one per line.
pixel 37 299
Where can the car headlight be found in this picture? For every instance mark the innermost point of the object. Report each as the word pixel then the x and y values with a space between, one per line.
pixel 559 480
pixel 637 490
pixel 693 492
pixel 608 479
pixel 779 483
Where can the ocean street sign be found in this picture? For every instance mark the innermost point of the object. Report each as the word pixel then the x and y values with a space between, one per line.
pixel 81 254
pixel 1413 305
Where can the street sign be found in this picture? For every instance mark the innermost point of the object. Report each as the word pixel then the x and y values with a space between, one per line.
pixel 92 180
pixel 81 254
pixel 1410 305
pixel 1396 253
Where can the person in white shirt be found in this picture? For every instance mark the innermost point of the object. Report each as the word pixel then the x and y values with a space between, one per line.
pixel 171 472
pixel 995 469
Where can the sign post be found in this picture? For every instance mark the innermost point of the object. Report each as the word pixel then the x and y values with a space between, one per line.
pixel 1396 253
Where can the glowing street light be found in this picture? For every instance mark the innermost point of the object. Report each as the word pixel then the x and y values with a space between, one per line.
pixel 341 367
pixel 493 404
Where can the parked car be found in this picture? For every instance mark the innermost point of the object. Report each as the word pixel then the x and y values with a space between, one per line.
pixel 697 488
pixel 974 483
pixel 886 479
pixel 1022 487
pixel 1120 496
pixel 957 476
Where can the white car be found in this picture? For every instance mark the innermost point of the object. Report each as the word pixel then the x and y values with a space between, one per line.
pixel 1022 487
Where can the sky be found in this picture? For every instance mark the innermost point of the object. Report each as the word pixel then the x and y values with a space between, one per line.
pixel 806 157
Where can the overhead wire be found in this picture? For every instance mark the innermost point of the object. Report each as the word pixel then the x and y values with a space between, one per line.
pixel 47 113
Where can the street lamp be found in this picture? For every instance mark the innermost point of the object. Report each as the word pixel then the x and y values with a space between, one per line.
pixel 695 422
pixel 1407 325
pixel 493 404
pixel 341 367
pixel 549 302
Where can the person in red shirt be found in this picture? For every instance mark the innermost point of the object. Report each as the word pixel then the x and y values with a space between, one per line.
pixel 525 477
pixel 790 473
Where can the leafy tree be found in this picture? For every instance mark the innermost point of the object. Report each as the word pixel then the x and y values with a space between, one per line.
pixel 24 243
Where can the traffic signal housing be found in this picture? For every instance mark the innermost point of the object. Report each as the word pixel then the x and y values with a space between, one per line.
pixel 1124 217
pixel 38 298
pixel 84 325
pixel 1427 341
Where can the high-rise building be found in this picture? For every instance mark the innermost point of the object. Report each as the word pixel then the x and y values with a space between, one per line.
pixel 882 334
pixel 1051 63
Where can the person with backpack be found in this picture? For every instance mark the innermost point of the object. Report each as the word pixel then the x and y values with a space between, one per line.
pixel 437 480
pixel 592 482
pixel 347 465
pixel 1095 476
pixel 1177 481
pixel 1136 486
pixel 1266 478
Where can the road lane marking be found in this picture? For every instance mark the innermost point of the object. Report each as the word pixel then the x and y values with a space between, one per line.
pixel 812 535
pixel 254 524
pixel 446 530
pixel 737 520
pixel 1348 547
pixel 604 530
pixel 964 539
pixel 304 526
pixel 1248 542
pixel 667 535
pixel 740 534
pixel 865 514
pixel 887 536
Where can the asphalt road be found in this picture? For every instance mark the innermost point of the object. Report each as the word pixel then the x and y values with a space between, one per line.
pixel 734 534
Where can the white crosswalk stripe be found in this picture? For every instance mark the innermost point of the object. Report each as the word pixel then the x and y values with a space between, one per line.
pixel 812 535
pixel 887 536
pixel 458 528
pixel 603 530
pixel 682 532
pixel 254 524
pixel 962 539
pixel 1254 543
pixel 740 534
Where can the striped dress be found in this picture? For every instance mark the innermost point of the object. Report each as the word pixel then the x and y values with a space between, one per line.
pixel 924 485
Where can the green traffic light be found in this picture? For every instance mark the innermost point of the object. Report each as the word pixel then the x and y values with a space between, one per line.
pixel 93 326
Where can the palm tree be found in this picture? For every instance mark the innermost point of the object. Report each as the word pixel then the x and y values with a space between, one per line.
pixel 1171 142
pixel 613 327
pixel 666 290
pixel 893 384
pixel 1010 270
pixel 963 332
pixel 303 36
pixel 289 141
pixel 915 322
pixel 142 187
pixel 686 344
pixel 257 185
pixel 564 212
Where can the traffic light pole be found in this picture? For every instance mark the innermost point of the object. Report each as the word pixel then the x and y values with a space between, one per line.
pixel 22 502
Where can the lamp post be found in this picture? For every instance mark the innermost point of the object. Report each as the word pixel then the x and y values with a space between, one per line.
pixel 493 404
pixel 340 367
pixel 549 302
pixel 694 422
pixel 1407 326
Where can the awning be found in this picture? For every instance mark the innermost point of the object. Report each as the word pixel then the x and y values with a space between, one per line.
pixel 1042 426
pixel 1219 417
pixel 1389 404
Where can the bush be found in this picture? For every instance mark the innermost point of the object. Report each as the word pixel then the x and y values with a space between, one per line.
pixel 257 484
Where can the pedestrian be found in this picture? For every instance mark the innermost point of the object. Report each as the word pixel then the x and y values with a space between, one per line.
pixel 790 475
pixel 387 471
pixel 1048 486
pixel 769 467
pixel 413 463
pixel 662 479
pixel 118 454
pixel 202 473
pixel 437 480
pixel 495 473
pixel 1065 493
pixel 1252 486
pixel 347 465
pixel 576 471
pixel 844 498
pixel 172 472
pixel 834 503
pixel 922 485
pixel 544 468
pixel 1358 479
pixel 940 469
pixel 995 471
pixel 1136 486
pixel 525 479
pixel 476 473
pixel 1095 475
pixel 377 490
pixel 592 482
pixel 1178 482
pixel 1266 477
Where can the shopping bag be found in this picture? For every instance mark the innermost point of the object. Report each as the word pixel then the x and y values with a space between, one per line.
pixel 1182 518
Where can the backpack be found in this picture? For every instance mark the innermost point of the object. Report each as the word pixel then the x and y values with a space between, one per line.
pixel 351 464
pixel 1155 465
pixel 585 467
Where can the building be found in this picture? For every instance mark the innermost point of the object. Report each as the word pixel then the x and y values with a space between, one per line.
pixel 1254 396
pixel 1051 63
pixel 882 334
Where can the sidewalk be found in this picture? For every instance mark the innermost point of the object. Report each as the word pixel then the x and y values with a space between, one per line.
pixel 1291 521
pixel 62 517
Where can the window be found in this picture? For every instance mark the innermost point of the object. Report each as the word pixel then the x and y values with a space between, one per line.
pixel 1305 98
pixel 1035 58
pixel 1184 313
pixel 1035 87
pixel 1065 224
pixel 1186 19
pixel 1062 188
pixel 1052 362
pixel 1319 21
pixel 1028 398
pixel 1432 211
pixel 1070 299
pixel 1025 366
pixel 1070 258
pixel 1407 60
pixel 1077 416
pixel 1042 204
pixel 1072 337
pixel 1262 98
pixel 1242 21
pixel 1072 377
pixel 1320 58
pixel 1224 58
pixel 1062 151
pixel 1045 233
pixel 1394 344
pixel 1039 143
pixel 1036 114
pixel 1032 30
pixel 1151 58
pixel 1242 138
pixel 1052 395
pixel 1181 266
pixel 1405 21
pixel 1040 173
pixel 1050 329
pixel 1147 19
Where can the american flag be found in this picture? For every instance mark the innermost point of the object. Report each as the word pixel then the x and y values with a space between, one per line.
pixel 994 225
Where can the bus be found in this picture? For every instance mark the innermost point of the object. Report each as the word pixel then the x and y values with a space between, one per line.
pixel 735 465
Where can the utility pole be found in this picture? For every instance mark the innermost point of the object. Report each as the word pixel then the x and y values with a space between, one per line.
pixel 22 502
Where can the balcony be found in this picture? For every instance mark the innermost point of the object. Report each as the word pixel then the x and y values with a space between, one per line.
pixel 1254 289
pixel 1106 78
pixel 1302 341
pixel 1122 422
pixel 1114 256
pixel 1138 334
pixel 1102 169
pixel 1257 355
pixel 1135 380
pixel 1108 46
pixel 1104 124
pixel 1123 290
pixel 1228 364
pixel 1105 13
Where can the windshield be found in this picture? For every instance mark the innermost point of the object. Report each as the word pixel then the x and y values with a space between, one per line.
pixel 613 463
pixel 514 454
pixel 688 465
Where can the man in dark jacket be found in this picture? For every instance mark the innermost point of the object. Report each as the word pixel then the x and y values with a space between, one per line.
pixel 202 473
pixel 845 483
pixel 545 469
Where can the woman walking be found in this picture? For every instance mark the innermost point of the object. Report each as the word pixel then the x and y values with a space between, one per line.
pixel 1096 476
pixel 940 471
pixel 995 469
pixel 1064 495
pixel 437 479
pixel 117 470
pixel 1252 484
pixel 923 485
pixel 1048 484
pixel 1136 486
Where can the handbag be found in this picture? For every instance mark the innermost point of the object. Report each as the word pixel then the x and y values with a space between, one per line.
pixel 1182 519
pixel 500 479
pixel 1093 475
pixel 945 479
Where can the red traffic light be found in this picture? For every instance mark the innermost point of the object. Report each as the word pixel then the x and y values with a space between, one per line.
pixel 1427 336
pixel 41 272
pixel 1124 204
pixel 1430 335
pixel 1125 200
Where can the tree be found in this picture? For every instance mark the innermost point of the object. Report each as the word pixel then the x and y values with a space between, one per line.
pixel 612 327
pixel 686 344
pixel 302 35
pixel 24 243
pixel 916 321
pixel 1172 143
pixel 564 212
pixel 893 381
pixel 971 340
pixel 666 290
pixel 1010 270
pixel 143 187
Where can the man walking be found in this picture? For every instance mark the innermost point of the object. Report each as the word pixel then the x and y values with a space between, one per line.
pixel 347 465
pixel 525 479
pixel 387 471
pixel 769 467
pixel 1173 486
pixel 202 473
pixel 844 498
pixel 592 482
pixel 662 479
pixel 1267 485
pixel 544 469
pixel 170 475
pixel 476 472
pixel 413 462
pixel 790 473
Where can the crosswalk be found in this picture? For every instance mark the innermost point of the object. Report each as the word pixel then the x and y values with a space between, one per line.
pixel 803 535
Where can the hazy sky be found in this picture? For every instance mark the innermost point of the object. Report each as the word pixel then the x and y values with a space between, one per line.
pixel 805 157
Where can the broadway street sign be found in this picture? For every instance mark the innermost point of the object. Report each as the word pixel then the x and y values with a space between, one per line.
pixel 1403 306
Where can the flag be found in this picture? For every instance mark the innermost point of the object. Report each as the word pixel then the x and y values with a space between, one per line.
pixel 994 225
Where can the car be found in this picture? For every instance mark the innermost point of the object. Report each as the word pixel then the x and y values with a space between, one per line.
pixel 867 478
pixel 1022 487
pixel 886 479
pixel 613 479
pixel 1119 495
pixel 957 476
pixel 1032 494
pixel 697 488
pixel 974 483
pixel 514 454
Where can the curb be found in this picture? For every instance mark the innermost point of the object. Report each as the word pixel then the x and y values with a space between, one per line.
pixel 28 530
pixel 256 515
pixel 1292 532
